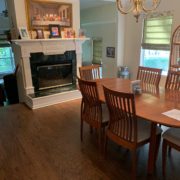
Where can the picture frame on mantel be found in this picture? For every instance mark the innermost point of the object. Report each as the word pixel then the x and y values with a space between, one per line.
pixel 55 31
pixel 42 13
pixel 39 34
pixel 23 32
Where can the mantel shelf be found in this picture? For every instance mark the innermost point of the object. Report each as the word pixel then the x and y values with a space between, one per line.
pixel 19 41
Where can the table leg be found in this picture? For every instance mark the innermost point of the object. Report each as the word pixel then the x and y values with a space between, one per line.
pixel 152 149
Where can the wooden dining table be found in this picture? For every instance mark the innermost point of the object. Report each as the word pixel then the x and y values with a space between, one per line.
pixel 150 104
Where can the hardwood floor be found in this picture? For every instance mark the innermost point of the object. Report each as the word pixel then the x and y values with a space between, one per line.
pixel 44 144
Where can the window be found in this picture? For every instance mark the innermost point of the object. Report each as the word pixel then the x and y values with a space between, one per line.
pixel 6 61
pixel 97 51
pixel 155 50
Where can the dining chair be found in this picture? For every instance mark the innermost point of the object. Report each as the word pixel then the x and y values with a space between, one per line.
pixel 89 72
pixel 124 127
pixel 148 75
pixel 171 138
pixel 173 80
pixel 92 108
pixel 2 95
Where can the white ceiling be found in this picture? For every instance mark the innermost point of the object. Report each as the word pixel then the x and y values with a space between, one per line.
pixel 84 4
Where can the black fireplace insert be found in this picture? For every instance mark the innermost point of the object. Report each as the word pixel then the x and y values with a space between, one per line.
pixel 52 71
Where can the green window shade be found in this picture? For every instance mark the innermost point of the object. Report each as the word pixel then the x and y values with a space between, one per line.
pixel 97 51
pixel 157 33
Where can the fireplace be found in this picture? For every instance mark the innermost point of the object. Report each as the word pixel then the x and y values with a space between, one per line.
pixel 57 75
pixel 53 71
pixel 36 57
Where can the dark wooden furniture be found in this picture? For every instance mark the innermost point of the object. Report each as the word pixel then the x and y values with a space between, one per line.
pixel 89 72
pixel 2 95
pixel 124 127
pixel 149 75
pixel 91 108
pixel 171 138
pixel 149 107
pixel 173 80
pixel 10 87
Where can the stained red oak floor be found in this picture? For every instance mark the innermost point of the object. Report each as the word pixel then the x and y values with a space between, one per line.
pixel 44 144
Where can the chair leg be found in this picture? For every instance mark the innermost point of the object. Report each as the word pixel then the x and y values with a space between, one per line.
pixel 157 146
pixel 91 129
pixel 169 150
pixel 134 164
pixel 81 130
pixel 105 145
pixel 100 139
pixel 164 153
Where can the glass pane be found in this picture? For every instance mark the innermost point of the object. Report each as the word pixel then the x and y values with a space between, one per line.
pixel 6 60
pixel 97 51
pixel 155 59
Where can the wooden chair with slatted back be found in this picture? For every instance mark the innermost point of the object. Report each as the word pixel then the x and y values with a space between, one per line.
pixel 171 138
pixel 89 72
pixel 148 75
pixel 124 128
pixel 173 80
pixel 91 108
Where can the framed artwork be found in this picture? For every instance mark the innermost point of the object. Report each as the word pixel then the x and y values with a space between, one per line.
pixel 24 34
pixel 110 52
pixel 43 13
pixel 68 33
pixel 39 34
pixel 55 31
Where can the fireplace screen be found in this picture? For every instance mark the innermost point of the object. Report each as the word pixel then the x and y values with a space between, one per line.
pixel 50 76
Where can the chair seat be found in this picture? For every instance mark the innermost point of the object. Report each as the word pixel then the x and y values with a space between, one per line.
pixel 172 135
pixel 144 130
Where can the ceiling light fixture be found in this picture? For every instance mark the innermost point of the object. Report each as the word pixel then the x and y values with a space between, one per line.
pixel 137 7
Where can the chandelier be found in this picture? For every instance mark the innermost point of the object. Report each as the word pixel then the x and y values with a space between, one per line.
pixel 137 7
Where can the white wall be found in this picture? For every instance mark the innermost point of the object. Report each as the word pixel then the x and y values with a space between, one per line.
pixel 17 9
pixel 101 22
pixel 133 35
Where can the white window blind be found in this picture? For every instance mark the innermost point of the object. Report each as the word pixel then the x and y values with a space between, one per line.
pixel 97 51
pixel 157 33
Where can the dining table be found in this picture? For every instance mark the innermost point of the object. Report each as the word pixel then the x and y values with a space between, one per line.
pixel 150 105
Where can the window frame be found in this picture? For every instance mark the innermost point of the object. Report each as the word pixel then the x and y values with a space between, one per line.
pixel 97 40
pixel 156 47
pixel 11 57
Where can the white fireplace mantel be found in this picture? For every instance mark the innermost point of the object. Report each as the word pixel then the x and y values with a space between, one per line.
pixel 23 49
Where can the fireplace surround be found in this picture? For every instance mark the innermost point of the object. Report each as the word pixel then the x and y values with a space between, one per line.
pixel 29 93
